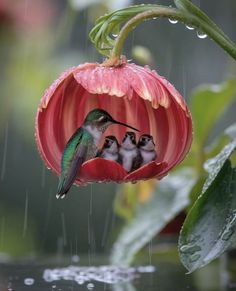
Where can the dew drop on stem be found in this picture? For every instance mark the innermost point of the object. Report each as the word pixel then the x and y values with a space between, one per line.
pixel 201 34
pixel 173 21
pixel 190 27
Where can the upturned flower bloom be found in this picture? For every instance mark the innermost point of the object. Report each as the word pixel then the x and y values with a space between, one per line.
pixel 131 94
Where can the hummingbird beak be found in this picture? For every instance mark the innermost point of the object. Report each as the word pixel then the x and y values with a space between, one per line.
pixel 124 124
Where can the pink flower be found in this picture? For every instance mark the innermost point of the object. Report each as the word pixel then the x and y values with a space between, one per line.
pixel 132 94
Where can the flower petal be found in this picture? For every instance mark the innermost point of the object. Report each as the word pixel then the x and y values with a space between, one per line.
pixel 148 171
pixel 101 170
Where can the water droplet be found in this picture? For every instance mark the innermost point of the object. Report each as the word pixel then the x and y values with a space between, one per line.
pixel 190 27
pixel 90 286
pixel 201 34
pixel 194 257
pixel 191 249
pixel 227 234
pixel 173 21
pixel 29 281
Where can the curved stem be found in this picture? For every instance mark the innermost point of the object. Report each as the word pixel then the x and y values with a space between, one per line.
pixel 205 26
pixel 133 22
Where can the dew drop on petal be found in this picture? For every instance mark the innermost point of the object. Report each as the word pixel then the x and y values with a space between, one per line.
pixel 201 34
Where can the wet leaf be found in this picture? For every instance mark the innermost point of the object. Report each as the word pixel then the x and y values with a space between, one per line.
pixel 169 199
pixel 108 24
pixel 196 190
pixel 208 104
pixel 210 227
pixel 214 165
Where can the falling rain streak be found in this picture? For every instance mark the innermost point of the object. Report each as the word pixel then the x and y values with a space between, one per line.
pixel 43 176
pixel 184 83
pixel 150 252
pixel 2 231
pixel 91 200
pixel 25 215
pixel 48 215
pixel 105 232
pixel 4 159
pixel 63 228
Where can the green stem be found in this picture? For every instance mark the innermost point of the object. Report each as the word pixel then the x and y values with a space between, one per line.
pixel 133 22
pixel 205 25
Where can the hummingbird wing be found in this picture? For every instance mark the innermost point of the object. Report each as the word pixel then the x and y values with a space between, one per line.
pixel 69 174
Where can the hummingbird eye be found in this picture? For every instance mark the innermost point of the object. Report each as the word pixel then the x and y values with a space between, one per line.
pixel 103 119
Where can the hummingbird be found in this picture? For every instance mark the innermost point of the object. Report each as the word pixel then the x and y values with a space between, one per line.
pixel 147 149
pixel 110 149
pixel 82 146
pixel 129 153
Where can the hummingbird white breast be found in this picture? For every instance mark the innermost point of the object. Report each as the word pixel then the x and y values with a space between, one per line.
pixel 95 132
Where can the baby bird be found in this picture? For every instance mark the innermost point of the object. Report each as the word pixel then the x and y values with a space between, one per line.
pixel 110 149
pixel 146 148
pixel 129 153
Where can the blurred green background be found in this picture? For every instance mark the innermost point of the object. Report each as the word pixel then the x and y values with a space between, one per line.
pixel 39 39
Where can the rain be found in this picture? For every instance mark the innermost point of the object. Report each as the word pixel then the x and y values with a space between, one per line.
pixel 72 243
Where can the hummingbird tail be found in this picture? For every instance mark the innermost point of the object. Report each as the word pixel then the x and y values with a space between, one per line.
pixel 61 190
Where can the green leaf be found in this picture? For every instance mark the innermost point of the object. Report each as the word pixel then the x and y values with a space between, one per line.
pixel 208 104
pixel 169 198
pixel 196 190
pixel 209 228
pixel 214 165
pixel 109 24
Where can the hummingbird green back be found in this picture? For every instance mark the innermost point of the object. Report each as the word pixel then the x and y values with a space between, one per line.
pixel 75 153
